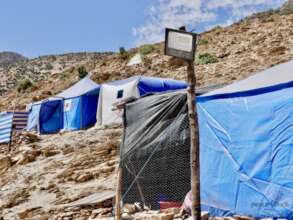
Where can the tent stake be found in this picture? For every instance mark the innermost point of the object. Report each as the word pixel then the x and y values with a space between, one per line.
pixel 194 142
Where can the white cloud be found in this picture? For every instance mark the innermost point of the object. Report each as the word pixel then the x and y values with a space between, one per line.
pixel 172 14
pixel 176 13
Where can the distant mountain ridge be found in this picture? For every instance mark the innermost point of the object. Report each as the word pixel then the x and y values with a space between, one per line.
pixel 7 58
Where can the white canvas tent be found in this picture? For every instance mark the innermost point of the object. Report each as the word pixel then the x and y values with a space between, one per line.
pixel 136 87
pixel 135 60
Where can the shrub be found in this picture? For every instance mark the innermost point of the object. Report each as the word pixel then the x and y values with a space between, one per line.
pixel 82 72
pixel 123 54
pixel 203 42
pixel 49 66
pixel 63 76
pixel 24 85
pixel 146 49
pixel 206 58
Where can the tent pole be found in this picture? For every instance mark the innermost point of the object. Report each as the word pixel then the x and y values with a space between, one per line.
pixel 11 132
pixel 194 142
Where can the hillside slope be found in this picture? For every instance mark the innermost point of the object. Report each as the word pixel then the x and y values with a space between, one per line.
pixel 242 49
pixel 47 178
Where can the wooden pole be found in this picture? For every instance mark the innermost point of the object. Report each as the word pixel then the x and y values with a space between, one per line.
pixel 11 133
pixel 118 194
pixel 194 142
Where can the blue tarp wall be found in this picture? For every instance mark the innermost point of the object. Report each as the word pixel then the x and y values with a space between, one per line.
pixel 147 85
pixel 82 113
pixel 51 116
pixel 246 136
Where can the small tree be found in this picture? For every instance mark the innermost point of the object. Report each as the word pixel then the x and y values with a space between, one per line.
pixel 49 66
pixel 82 72
pixel 24 85
pixel 206 58
pixel 203 42
pixel 146 49
pixel 123 54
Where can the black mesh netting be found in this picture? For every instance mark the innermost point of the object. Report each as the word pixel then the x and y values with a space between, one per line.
pixel 155 150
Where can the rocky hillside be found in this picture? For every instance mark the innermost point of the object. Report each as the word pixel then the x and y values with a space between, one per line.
pixel 62 176
pixel 9 58
pixel 223 56
pixel 59 175
pixel 42 69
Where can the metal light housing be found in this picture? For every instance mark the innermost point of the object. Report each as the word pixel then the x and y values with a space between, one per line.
pixel 180 44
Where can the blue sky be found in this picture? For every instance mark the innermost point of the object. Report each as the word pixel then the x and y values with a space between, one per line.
pixel 40 27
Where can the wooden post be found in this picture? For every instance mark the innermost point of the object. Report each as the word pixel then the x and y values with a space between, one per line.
pixel 194 142
pixel 118 194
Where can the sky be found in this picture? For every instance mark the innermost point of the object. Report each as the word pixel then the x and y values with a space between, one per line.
pixel 42 27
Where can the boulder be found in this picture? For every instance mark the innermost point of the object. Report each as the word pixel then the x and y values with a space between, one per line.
pixel 5 163
pixel 28 157
pixel 49 152
pixel 84 177
pixel 159 216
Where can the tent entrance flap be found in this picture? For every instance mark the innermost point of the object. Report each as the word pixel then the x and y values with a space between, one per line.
pixel 89 110
pixel 72 114
pixel 51 117
pixel 33 118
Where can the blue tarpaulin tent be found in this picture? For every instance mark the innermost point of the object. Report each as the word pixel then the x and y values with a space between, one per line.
pixel 247 146
pixel 136 86
pixel 73 109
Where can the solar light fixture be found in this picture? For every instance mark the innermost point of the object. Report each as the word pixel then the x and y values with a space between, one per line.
pixel 180 44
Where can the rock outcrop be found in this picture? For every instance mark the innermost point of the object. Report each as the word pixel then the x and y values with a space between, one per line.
pixel 61 176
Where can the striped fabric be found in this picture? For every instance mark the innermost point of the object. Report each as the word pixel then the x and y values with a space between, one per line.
pixel 6 119
pixel 19 120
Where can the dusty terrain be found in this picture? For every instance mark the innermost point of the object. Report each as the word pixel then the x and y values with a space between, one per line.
pixel 62 176
pixel 59 174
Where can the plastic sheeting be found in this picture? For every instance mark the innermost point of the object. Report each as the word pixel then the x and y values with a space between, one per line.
pixel 51 117
pixel 247 154
pixel 155 150
pixel 147 85
pixel 247 145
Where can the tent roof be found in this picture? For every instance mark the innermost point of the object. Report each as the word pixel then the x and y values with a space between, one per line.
pixel 123 81
pixel 140 77
pixel 274 76
pixel 82 87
